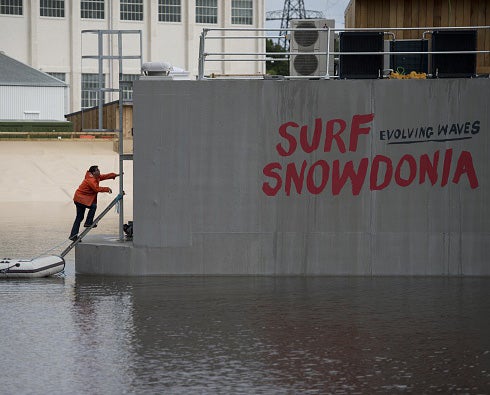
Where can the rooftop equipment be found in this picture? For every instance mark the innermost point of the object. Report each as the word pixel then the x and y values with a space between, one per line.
pixel 156 68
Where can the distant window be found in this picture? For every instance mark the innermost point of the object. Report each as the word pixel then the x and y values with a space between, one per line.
pixel 92 9
pixel 11 7
pixel 128 89
pixel 53 8
pixel 241 12
pixel 60 76
pixel 90 93
pixel 131 10
pixel 206 11
pixel 169 10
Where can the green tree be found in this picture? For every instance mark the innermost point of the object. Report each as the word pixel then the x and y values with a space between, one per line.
pixel 278 67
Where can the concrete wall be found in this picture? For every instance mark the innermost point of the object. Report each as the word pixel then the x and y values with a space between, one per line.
pixel 229 179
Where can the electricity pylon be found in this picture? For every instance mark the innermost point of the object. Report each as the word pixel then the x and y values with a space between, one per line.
pixel 293 9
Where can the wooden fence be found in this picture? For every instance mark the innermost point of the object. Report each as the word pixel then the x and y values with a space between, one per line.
pixel 89 119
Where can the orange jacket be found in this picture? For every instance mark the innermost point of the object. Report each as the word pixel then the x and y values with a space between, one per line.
pixel 86 193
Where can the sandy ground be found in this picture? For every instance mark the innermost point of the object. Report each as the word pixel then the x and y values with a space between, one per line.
pixel 38 179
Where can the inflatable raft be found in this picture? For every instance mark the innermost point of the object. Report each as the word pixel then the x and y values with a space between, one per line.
pixel 38 267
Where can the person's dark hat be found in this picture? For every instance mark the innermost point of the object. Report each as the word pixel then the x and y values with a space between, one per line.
pixel 93 168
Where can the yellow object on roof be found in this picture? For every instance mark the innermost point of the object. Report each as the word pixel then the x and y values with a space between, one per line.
pixel 411 75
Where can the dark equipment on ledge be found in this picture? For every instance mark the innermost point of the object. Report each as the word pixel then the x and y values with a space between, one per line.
pixel 128 229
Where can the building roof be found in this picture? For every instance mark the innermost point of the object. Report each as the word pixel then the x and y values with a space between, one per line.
pixel 13 72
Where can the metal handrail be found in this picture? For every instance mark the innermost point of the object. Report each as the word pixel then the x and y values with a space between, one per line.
pixel 284 56
pixel 96 220
pixel 340 53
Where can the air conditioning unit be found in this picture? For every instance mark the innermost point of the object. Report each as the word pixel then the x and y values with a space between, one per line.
pixel 311 64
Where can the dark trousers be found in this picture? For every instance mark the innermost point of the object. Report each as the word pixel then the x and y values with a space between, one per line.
pixel 80 214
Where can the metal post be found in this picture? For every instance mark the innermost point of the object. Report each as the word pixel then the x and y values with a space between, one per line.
pixel 121 139
pixel 99 90
pixel 201 54
pixel 141 50
pixel 329 32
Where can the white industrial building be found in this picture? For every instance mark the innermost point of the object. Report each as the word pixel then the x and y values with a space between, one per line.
pixel 47 35
pixel 27 94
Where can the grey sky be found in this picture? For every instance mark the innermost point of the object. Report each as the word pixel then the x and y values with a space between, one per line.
pixel 332 9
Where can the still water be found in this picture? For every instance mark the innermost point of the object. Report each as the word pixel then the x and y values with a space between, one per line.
pixel 236 335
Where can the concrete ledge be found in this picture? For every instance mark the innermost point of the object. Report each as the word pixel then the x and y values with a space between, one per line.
pixel 290 253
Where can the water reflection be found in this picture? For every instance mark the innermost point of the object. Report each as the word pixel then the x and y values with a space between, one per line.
pixel 103 334
pixel 265 335
pixel 82 334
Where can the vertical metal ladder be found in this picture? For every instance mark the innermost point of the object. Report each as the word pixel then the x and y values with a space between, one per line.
pixel 119 57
